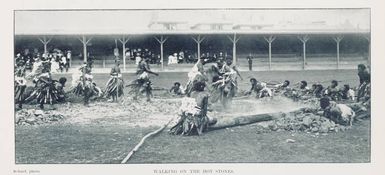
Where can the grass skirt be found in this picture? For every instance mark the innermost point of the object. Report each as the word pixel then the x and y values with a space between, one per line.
pixel 114 87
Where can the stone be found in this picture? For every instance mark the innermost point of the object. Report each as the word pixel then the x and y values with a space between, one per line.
pixel 39 112
pixel 314 129
pixel 307 120
pixel 290 141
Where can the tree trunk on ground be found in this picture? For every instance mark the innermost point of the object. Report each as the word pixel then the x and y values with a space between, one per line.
pixel 244 120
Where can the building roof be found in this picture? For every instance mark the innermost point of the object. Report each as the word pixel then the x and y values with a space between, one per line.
pixel 123 22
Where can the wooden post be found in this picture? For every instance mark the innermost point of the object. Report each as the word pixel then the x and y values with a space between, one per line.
pixel 270 40
pixel 198 40
pixel 234 40
pixel 85 41
pixel 338 39
pixel 161 41
pixel 124 40
pixel 304 39
pixel 45 42
pixel 367 37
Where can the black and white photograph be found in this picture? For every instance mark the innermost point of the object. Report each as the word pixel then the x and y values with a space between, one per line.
pixel 191 88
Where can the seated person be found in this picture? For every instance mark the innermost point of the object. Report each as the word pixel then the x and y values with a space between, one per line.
pixel 282 86
pixel 347 93
pixel 317 90
pixel 332 91
pixel 265 91
pixel 339 113
pixel 303 87
pixel 176 89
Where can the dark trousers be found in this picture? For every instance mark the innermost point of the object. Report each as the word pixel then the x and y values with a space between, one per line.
pixel 250 66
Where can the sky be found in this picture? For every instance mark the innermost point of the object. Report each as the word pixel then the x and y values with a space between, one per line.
pixel 137 21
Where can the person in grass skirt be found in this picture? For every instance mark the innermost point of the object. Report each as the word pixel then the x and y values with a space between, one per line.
pixel 84 85
pixel 20 83
pixel 225 83
pixel 142 84
pixel 44 91
pixel 192 117
pixel 196 74
pixel 115 85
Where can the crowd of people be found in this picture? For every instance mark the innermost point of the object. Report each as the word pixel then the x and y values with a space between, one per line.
pixel 205 85
pixel 190 57
pixel 183 56
pixel 59 60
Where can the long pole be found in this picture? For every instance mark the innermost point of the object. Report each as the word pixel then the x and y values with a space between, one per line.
pixel 270 39
pixel 234 40
pixel 304 55
pixel 161 54
pixel 234 51
pixel 45 43
pixel 304 39
pixel 45 48
pixel 161 40
pixel 338 55
pixel 199 50
pixel 124 56
pixel 269 55
pixel 84 40
pixel 198 40
pixel 367 37
pixel 338 39
pixel 124 40
pixel 84 49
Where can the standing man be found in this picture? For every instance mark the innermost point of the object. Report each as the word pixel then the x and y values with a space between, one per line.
pixel 84 85
pixel 196 74
pixel 364 86
pixel 250 61
pixel 143 83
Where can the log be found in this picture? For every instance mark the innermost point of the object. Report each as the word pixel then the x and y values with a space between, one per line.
pixel 226 122
pixel 142 141
pixel 243 120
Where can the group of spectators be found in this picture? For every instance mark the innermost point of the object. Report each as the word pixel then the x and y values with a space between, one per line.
pixel 138 53
pixel 59 60
pixel 191 58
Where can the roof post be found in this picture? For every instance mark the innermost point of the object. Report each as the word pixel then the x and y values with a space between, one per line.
pixel 270 40
pixel 198 40
pixel 124 40
pixel 161 40
pixel 338 39
pixel 304 39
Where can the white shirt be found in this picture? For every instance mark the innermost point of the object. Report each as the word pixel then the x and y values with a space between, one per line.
pixel 64 60
pixel 137 60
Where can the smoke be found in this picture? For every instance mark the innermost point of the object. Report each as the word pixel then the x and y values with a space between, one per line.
pixel 260 106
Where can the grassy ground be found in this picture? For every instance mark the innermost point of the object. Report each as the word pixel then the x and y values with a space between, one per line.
pixel 104 142
pixel 244 144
